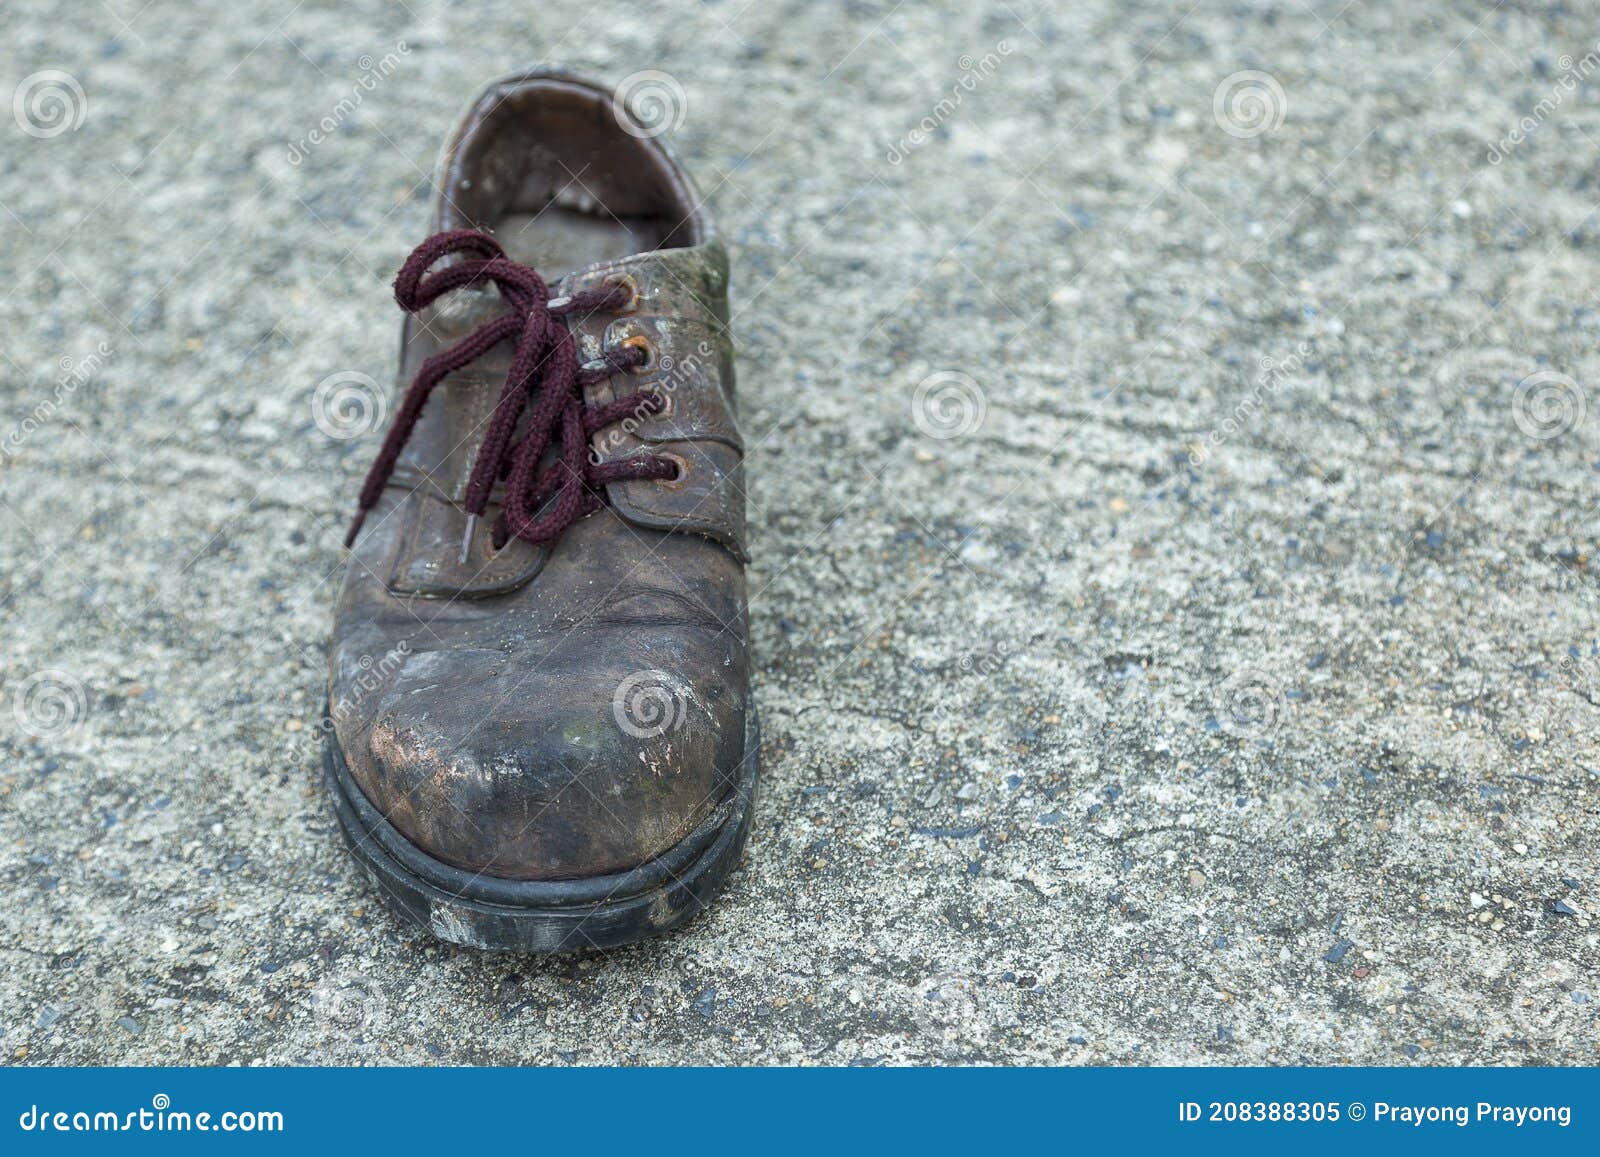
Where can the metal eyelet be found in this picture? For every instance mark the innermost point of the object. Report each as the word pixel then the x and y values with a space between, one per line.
pixel 664 410
pixel 628 283
pixel 644 343
pixel 681 463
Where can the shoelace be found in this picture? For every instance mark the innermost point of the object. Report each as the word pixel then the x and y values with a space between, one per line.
pixel 545 381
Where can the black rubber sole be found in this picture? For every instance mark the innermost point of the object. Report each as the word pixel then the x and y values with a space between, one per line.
pixel 546 915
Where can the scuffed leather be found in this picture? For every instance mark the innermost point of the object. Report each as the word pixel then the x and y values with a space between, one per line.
pixel 481 703
pixel 681 312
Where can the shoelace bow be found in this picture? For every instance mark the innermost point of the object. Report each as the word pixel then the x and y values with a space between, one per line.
pixel 544 372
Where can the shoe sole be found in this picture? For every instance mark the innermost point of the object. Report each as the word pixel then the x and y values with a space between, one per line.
pixel 546 916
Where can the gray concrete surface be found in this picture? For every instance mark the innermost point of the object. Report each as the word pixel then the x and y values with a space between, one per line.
pixel 1208 676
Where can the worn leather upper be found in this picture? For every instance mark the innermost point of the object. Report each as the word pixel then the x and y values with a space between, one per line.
pixel 572 710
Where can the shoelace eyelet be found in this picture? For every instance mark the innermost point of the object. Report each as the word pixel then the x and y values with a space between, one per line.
pixel 544 385
pixel 639 341
pixel 623 281
pixel 681 463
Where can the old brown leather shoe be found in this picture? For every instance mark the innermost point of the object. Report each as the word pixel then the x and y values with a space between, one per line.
pixel 540 735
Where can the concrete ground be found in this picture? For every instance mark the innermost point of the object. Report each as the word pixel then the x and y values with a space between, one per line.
pixel 1174 451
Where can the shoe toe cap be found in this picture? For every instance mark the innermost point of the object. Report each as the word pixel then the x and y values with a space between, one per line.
pixel 587 765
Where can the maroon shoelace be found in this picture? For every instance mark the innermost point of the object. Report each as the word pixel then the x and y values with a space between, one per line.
pixel 545 381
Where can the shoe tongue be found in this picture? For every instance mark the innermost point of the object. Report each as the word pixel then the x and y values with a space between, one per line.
pixel 457 314
pixel 445 443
